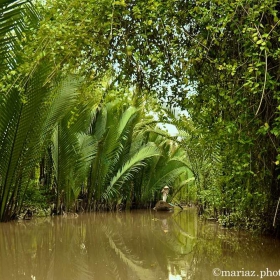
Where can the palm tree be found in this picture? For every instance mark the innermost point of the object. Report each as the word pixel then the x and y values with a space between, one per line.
pixel 164 170
pixel 116 160
pixel 12 28
pixel 31 104
pixel 73 149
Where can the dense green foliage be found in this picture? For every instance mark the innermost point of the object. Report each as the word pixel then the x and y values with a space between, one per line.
pixel 236 107
pixel 107 164
pixel 218 60
pixel 70 132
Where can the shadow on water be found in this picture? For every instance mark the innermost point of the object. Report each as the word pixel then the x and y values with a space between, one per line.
pixel 130 245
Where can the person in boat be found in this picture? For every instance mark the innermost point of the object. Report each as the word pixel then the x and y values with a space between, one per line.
pixel 165 192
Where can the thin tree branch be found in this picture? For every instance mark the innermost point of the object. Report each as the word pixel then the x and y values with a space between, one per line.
pixel 264 84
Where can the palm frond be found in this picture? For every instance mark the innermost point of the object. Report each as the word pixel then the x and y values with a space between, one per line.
pixel 26 127
pixel 21 130
pixel 16 17
pixel 111 136
pixel 131 166
pixel 181 185
pixel 88 146
pixel 61 100
pixel 167 178
pixel 126 117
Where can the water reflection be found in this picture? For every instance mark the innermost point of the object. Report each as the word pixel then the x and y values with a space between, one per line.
pixel 132 245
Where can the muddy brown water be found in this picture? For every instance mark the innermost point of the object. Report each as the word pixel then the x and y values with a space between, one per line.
pixel 133 245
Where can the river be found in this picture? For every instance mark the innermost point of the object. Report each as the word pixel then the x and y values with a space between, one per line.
pixel 142 244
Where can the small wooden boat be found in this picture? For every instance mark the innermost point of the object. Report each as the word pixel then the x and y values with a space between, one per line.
pixel 163 206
